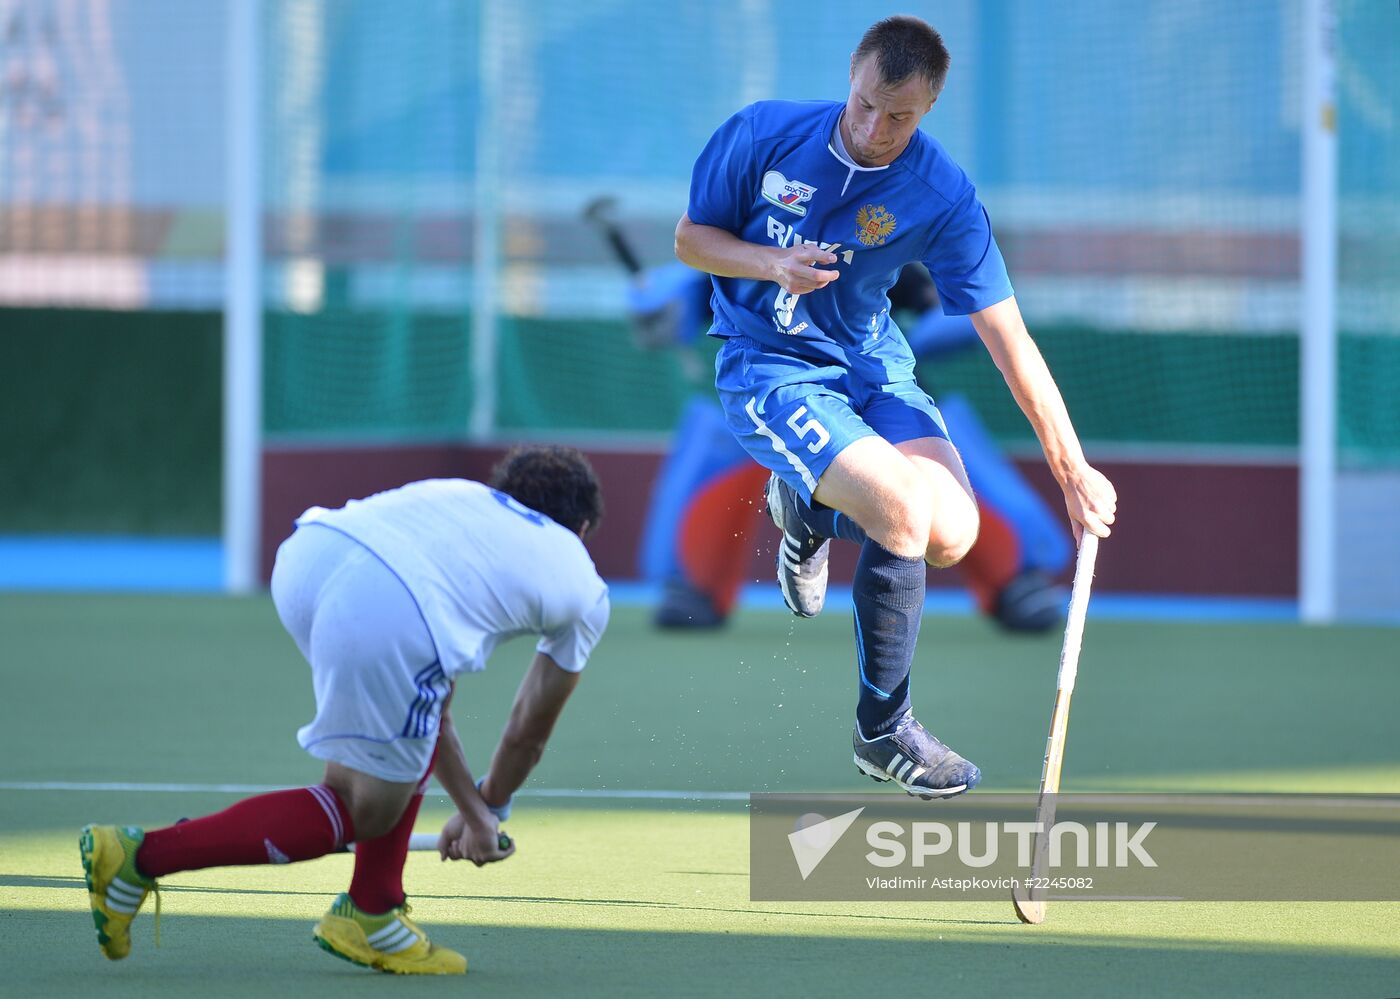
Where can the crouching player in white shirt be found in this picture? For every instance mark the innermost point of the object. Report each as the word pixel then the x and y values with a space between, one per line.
pixel 390 599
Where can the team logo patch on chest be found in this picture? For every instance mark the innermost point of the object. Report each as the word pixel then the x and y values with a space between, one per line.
pixel 786 194
pixel 874 225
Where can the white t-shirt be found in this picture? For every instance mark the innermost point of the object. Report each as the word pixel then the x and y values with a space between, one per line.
pixel 482 568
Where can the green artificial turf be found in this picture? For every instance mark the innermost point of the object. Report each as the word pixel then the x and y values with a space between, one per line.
pixel 609 897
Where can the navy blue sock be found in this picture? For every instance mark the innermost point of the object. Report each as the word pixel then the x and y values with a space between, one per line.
pixel 888 591
pixel 829 523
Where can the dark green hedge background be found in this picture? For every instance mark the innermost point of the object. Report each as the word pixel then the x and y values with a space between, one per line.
pixel 110 421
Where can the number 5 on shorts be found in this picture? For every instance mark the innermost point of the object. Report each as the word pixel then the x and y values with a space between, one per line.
pixel 811 426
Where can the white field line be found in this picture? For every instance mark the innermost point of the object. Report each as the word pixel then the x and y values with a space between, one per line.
pixel 1379 801
pixel 542 792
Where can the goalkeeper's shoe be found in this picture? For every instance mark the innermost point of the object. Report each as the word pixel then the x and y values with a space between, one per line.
pixel 910 756
pixel 1030 602
pixel 116 888
pixel 685 607
pixel 802 554
pixel 390 942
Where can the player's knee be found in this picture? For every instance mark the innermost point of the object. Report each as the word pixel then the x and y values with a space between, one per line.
pixel 374 817
pixel 908 518
pixel 375 806
pixel 950 538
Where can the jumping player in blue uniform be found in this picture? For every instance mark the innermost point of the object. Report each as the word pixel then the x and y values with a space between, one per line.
pixel 699 531
pixel 804 213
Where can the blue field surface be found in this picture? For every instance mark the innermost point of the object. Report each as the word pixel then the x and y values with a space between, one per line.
pixel 104 564
pixel 1123 606
pixel 195 565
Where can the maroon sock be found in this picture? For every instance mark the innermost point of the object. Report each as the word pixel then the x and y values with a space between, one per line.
pixel 377 884
pixel 275 828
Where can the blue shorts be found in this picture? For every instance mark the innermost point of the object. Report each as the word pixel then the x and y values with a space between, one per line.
pixel 794 416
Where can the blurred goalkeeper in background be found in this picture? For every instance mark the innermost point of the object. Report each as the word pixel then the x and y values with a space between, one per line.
pixel 701 527
pixel 390 599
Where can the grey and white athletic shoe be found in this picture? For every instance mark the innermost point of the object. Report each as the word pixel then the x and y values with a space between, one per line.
pixel 802 555
pixel 910 756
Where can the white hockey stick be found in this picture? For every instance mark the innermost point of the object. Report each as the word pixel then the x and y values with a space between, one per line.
pixel 1030 902
pixel 423 842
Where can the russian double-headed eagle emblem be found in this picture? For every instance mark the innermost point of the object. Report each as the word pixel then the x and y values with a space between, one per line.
pixel 874 225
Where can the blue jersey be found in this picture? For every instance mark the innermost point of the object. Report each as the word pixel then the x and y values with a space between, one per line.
pixel 772 175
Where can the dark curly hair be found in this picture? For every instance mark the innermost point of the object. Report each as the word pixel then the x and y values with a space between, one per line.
pixel 555 481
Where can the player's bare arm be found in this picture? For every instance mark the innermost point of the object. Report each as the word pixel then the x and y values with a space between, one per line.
pixel 541 697
pixel 718 251
pixel 474 832
pixel 1089 496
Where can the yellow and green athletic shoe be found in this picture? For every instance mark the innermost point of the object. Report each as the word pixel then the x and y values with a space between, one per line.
pixel 391 942
pixel 116 888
